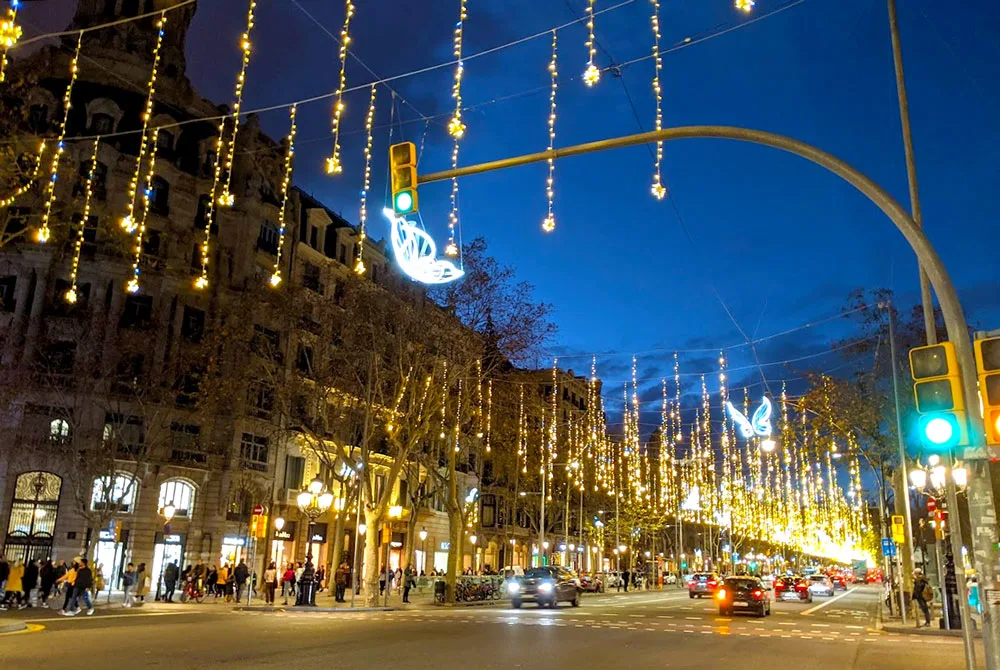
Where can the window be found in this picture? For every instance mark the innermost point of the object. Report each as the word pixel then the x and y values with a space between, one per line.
pixel 185 444
pixel 115 494
pixel 375 273
pixel 193 324
pixel 343 254
pixel 57 305
pixel 208 167
pixel 165 142
pixel 266 342
pixel 98 186
pixel 38 118
pixel 253 452
pixel 126 432
pixel 57 358
pixel 101 124
pixel 304 359
pixel 295 472
pixel 151 242
pixel 128 371
pixel 314 237
pixel 488 504
pixel 178 493
pixel 89 235
pixel 59 431
pixel 160 198
pixel 267 238
pixel 188 387
pixel 310 278
pixel 7 285
pixel 260 398
pixel 138 312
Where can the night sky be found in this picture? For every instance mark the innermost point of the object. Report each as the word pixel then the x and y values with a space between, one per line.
pixel 780 240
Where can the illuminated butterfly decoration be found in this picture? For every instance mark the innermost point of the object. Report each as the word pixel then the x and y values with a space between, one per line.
pixel 759 424
pixel 416 253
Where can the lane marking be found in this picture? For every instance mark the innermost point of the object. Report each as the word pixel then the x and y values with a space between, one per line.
pixel 822 605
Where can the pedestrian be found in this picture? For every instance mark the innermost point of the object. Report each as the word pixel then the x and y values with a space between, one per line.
pixel 128 585
pixel 69 580
pixel 298 574
pixel 408 583
pixel 81 589
pixel 922 595
pixel 240 576
pixel 169 582
pixel 382 577
pixel 397 578
pixel 221 577
pixel 320 578
pixel 625 578
pixel 340 580
pixel 4 576
pixel 28 582
pixel 270 583
pixel 47 578
pixel 60 571
pixel 288 582
pixel 141 583
pixel 98 579
pixel 12 592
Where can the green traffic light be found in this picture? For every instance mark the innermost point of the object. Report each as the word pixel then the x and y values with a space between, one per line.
pixel 403 202
pixel 940 431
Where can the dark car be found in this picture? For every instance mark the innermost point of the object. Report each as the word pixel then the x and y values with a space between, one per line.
pixel 792 588
pixel 546 586
pixel 745 593
pixel 839 581
pixel 702 584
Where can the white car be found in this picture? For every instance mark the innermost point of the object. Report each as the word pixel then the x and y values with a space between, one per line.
pixel 670 578
pixel 820 585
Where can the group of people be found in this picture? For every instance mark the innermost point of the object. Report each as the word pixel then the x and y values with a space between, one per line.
pixel 19 581
pixel 403 581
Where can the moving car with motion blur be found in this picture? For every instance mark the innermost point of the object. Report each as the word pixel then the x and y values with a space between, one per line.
pixel 743 593
pixel 792 588
pixel 591 584
pixel 839 581
pixel 702 584
pixel 546 586
pixel 820 585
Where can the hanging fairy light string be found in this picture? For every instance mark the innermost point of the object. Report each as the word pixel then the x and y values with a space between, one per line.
pixel 26 186
pixel 286 183
pixel 10 33
pixel 456 127
pixel 128 221
pixel 549 224
pixel 489 415
pixel 659 190
pixel 147 194
pixel 70 295
pixel 333 164
pixel 745 5
pixel 591 74
pixel 226 198
pixel 359 267
pixel 43 233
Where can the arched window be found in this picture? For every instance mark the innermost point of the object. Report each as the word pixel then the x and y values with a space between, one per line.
pixel 59 431
pixel 33 516
pixel 117 493
pixel 180 493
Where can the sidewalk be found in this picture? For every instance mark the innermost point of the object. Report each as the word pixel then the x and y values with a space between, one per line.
pixel 893 624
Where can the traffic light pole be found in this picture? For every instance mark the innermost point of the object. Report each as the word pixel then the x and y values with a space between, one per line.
pixel 981 509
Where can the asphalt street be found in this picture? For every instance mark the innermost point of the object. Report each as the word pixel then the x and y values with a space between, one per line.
pixel 654 629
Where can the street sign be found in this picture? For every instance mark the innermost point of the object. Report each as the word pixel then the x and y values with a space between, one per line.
pixel 898 531
pixel 888 547
pixel 258 509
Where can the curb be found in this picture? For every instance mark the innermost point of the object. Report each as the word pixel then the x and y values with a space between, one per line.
pixel 12 626
pixel 317 610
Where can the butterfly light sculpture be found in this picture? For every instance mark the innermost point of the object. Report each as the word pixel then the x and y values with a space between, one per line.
pixel 759 424
pixel 416 253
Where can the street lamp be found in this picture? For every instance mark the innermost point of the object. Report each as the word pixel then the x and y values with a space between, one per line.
pixel 313 502
pixel 279 523
pixel 423 548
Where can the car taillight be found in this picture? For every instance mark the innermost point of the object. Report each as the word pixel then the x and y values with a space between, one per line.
pixel 757 593
pixel 712 582
pixel 721 595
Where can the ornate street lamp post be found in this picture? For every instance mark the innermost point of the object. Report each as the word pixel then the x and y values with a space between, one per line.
pixel 313 502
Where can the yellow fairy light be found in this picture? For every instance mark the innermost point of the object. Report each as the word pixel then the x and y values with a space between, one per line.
pixel 286 183
pixel 359 267
pixel 128 221
pixel 456 128
pixel 10 33
pixel 333 164
pixel 26 186
pixel 70 295
pixel 226 199
pixel 745 5
pixel 43 233
pixel 147 193
pixel 591 75
pixel 549 224
pixel 489 415
pixel 659 190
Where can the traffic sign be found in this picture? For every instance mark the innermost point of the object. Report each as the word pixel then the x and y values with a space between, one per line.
pixel 258 509
pixel 888 547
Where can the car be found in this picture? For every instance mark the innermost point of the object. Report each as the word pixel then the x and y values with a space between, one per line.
pixel 820 585
pixel 768 581
pixel 703 584
pixel 546 586
pixel 793 588
pixel 591 584
pixel 670 578
pixel 839 581
pixel 745 593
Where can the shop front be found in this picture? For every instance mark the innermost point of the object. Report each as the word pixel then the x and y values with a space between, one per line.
pixel 316 543
pixel 167 548
pixel 283 544
pixel 233 550
pixel 112 546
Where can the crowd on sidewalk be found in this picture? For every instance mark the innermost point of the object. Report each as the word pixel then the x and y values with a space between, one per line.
pixel 32 584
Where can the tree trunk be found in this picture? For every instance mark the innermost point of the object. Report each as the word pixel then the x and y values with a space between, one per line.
pixel 455 549
pixel 411 532
pixel 371 567
pixel 338 545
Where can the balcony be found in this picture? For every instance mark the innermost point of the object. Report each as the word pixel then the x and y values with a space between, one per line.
pixel 188 457
pixel 256 466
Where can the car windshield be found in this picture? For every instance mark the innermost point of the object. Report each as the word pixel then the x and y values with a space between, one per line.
pixel 817 578
pixel 742 582
pixel 538 573
pixel 701 577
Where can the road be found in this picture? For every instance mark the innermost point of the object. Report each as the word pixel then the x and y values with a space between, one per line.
pixel 648 630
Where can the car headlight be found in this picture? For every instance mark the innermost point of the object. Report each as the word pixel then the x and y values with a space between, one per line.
pixel 545 587
pixel 513 587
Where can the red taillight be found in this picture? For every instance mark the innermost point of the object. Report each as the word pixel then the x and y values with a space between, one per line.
pixel 712 582
pixel 758 594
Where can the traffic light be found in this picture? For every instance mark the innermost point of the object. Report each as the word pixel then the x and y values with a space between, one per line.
pixel 403 171
pixel 938 391
pixel 988 365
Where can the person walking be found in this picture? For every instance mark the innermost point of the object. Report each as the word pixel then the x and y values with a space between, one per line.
pixel 12 592
pixel 320 578
pixel 69 580
pixel 922 595
pixel 81 589
pixel 240 576
pixel 128 585
pixel 382 579
pixel 341 579
pixel 288 582
pixel 221 577
pixel 626 576
pixel 141 583
pixel 270 583
pixel 170 574
pixel 29 581
pixel 47 578
pixel 408 583
pixel 60 571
